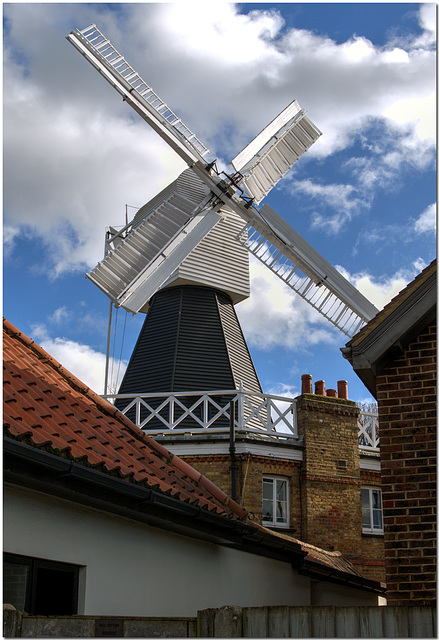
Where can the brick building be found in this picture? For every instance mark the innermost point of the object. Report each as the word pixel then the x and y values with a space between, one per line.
pixel 101 520
pixel 310 486
pixel 395 357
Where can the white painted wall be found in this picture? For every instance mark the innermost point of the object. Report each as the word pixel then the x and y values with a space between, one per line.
pixel 332 595
pixel 132 569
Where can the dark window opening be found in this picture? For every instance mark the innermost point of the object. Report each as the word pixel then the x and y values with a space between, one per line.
pixel 40 587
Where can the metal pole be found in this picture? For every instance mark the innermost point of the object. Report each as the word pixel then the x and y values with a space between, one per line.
pixel 233 465
pixel 107 360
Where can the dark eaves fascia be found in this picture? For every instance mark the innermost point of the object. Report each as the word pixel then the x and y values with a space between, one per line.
pixel 33 468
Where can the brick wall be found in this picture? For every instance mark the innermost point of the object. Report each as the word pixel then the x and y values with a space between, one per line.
pixel 325 489
pixel 406 394
pixel 330 479
pixel 372 545
pixel 251 469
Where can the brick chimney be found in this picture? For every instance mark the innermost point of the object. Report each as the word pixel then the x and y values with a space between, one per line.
pixel 330 474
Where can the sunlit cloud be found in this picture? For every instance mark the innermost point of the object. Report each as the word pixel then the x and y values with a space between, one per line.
pixel 75 154
pixel 426 223
pixel 84 362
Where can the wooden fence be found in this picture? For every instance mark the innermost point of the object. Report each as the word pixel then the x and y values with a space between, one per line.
pixel 236 622
pixel 318 622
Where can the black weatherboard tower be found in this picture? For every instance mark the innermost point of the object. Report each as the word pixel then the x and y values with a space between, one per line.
pixel 184 258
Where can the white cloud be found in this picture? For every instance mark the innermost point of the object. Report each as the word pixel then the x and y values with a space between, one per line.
pixel 426 222
pixel 59 315
pixel 381 291
pixel 74 154
pixel 80 359
pixel 275 316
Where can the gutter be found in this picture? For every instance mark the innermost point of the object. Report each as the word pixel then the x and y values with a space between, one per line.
pixel 317 572
pixel 30 467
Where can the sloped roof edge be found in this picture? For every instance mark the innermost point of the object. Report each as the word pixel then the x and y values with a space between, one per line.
pixel 387 334
pixel 195 506
pixel 107 409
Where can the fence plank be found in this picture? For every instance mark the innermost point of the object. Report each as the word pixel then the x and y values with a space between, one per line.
pixel 300 622
pixel 228 622
pixel 420 622
pixel 205 623
pixel 255 622
pixel 278 622
pixel 395 622
pixel 371 622
pixel 323 622
pixel 347 623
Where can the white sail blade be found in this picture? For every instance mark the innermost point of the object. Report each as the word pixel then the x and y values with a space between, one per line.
pixel 275 150
pixel 143 287
pixel 129 276
pixel 95 47
pixel 299 265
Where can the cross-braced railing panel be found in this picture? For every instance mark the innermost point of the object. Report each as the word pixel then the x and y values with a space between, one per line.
pixel 194 411
pixel 368 431
pixel 258 413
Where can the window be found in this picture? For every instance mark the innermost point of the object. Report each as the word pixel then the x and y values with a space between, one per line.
pixel 40 587
pixel 372 510
pixel 275 511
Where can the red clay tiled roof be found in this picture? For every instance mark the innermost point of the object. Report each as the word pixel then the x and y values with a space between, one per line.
pixel 393 304
pixel 45 406
pixel 329 560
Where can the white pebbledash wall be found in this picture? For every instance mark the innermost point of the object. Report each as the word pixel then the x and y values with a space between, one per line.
pixel 133 569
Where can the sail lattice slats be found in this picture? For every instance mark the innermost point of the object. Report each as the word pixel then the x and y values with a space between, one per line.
pixel 187 185
pixel 301 267
pixel 172 227
pixel 275 150
pixel 318 296
pixel 104 56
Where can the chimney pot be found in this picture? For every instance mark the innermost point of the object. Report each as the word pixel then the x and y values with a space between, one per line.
pixel 320 388
pixel 306 383
pixel 342 387
pixel 332 393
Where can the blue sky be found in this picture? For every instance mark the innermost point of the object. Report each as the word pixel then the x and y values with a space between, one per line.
pixel 75 155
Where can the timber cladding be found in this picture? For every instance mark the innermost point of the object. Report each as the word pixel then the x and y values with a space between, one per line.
pixel 406 394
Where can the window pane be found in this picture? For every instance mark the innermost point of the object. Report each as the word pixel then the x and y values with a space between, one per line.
pixel 365 508
pixel 267 510
pixel 14 584
pixel 281 511
pixel 281 490
pixel 377 519
pixel 267 489
pixel 377 511
pixel 376 499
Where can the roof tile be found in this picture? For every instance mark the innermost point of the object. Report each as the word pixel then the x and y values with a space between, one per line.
pixel 46 406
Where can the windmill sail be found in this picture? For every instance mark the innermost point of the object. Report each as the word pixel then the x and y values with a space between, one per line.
pixel 271 239
pixel 275 150
pixel 99 51
pixel 163 234
pixel 167 234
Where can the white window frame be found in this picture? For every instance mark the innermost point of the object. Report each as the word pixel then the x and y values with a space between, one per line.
pixel 372 529
pixel 275 523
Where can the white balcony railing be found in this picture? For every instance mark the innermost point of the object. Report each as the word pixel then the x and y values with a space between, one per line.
pixel 195 411
pixel 187 412
pixel 368 431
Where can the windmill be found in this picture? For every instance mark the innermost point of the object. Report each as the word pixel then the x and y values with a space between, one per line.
pixel 184 258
